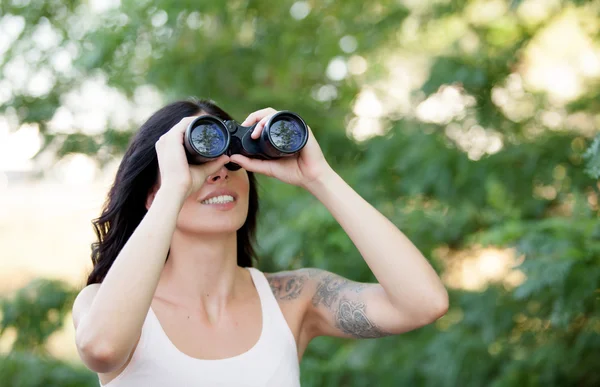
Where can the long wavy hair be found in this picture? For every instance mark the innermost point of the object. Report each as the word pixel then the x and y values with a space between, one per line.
pixel 125 206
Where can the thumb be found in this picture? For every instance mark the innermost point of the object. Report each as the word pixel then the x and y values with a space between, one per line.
pixel 201 172
pixel 213 166
pixel 253 165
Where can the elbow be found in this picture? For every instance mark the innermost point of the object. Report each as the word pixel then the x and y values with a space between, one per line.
pixel 437 307
pixel 98 354
pixel 432 309
pixel 442 305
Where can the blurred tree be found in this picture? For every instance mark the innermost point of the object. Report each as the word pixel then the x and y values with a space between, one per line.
pixel 22 369
pixel 33 314
pixel 475 152
pixel 593 157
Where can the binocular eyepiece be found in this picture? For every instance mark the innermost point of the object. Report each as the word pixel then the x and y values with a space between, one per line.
pixel 208 137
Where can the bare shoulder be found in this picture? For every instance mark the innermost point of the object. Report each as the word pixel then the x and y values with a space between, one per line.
pixel 83 301
pixel 294 285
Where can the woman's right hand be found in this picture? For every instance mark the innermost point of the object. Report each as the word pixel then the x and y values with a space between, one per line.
pixel 108 324
pixel 175 171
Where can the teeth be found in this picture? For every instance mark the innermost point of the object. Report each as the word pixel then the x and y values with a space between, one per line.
pixel 218 199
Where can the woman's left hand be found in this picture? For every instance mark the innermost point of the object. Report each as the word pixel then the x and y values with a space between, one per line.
pixel 301 170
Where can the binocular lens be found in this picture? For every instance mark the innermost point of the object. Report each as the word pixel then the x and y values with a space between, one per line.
pixel 209 139
pixel 287 134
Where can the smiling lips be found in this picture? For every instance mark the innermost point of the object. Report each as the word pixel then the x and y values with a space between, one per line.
pixel 221 199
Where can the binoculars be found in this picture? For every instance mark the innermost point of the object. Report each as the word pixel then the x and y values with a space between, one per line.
pixel 208 137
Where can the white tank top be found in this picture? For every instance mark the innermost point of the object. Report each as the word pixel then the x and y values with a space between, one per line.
pixel 272 361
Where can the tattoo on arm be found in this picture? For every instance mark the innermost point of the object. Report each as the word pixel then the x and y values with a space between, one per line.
pixel 287 287
pixel 350 316
pixel 329 290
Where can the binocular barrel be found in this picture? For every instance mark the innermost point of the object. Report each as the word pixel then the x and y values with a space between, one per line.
pixel 208 137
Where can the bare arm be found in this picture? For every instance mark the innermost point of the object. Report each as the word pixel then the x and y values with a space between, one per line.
pixel 409 293
pixel 335 306
pixel 108 317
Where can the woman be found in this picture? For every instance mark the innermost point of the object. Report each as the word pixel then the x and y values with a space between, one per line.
pixel 173 299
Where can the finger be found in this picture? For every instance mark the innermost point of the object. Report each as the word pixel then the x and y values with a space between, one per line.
pixel 257 116
pixel 253 165
pixel 211 167
pixel 260 126
pixel 200 173
pixel 254 117
pixel 179 129
pixel 184 123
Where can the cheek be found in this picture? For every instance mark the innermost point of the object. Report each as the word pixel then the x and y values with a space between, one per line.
pixel 197 217
pixel 242 185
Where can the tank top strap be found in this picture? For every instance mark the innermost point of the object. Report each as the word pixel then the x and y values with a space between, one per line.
pixel 271 310
pixel 264 290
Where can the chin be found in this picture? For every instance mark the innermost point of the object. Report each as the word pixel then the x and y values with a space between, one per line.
pixel 215 225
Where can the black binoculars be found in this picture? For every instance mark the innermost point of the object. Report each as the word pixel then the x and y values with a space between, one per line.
pixel 208 137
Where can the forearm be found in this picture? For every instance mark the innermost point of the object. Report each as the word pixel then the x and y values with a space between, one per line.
pixel 406 276
pixel 116 315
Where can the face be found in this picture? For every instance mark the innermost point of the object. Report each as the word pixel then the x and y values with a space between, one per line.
pixel 220 206
pixel 211 209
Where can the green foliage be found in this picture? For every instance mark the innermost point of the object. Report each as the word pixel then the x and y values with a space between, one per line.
pixel 21 369
pixel 35 312
pixel 501 336
pixel 538 194
pixel 593 157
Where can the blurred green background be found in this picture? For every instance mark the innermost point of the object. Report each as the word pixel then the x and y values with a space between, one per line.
pixel 469 124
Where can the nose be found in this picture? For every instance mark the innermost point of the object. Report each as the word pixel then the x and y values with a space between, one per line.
pixel 221 175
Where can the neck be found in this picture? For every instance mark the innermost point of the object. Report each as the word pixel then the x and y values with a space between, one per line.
pixel 201 270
